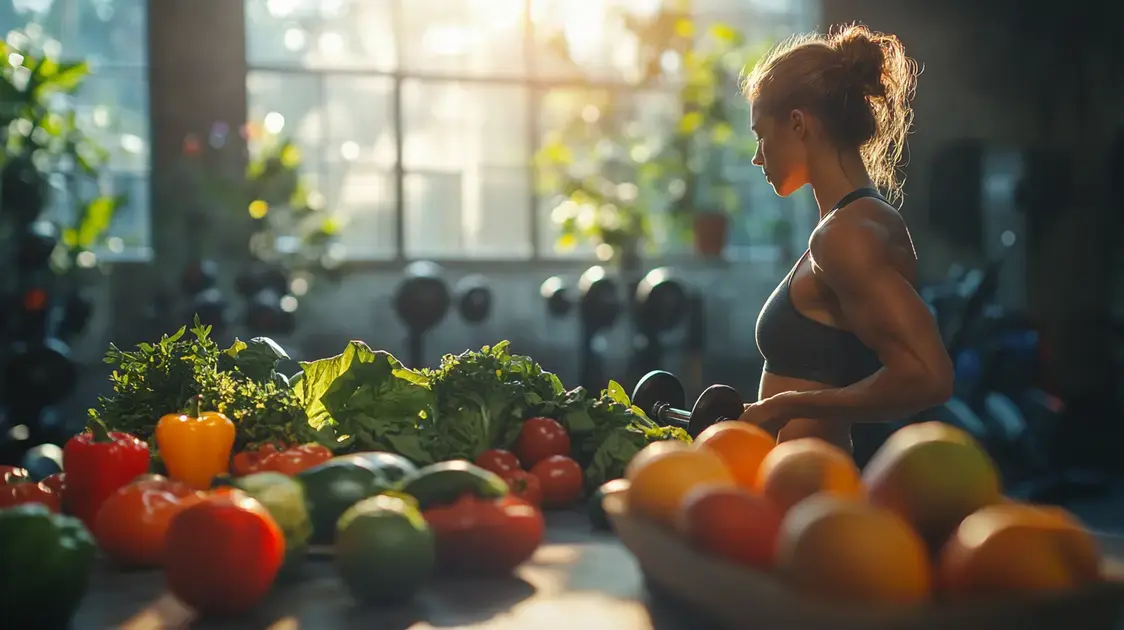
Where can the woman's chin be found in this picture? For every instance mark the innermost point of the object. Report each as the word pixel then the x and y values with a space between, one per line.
pixel 781 191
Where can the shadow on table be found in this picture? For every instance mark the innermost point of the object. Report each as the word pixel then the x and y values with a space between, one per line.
pixel 445 602
pixel 314 598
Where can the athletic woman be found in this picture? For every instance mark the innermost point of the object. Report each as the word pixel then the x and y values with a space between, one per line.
pixel 845 336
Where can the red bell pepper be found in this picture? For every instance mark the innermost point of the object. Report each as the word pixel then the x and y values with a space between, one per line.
pixel 483 535
pixel 98 462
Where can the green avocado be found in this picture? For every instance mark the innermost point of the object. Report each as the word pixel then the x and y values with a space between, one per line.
pixel 444 482
pixel 384 550
pixel 334 486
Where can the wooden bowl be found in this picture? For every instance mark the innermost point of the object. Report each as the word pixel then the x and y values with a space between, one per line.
pixel 736 597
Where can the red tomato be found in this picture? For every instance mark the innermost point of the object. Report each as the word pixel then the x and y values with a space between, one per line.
pixel 561 480
pixel 540 438
pixel 222 554
pixel 485 536
pixel 132 524
pixel 524 485
pixel 23 492
pixel 498 461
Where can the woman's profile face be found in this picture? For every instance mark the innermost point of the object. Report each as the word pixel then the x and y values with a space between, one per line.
pixel 780 150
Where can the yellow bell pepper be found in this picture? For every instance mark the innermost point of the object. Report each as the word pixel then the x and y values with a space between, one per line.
pixel 195 447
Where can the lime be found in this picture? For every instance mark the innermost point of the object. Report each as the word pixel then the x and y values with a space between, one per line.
pixel 384 549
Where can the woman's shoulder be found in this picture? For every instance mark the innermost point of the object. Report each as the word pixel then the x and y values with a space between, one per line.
pixel 863 235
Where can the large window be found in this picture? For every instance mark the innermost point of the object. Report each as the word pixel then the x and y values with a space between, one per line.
pixel 418 119
pixel 112 106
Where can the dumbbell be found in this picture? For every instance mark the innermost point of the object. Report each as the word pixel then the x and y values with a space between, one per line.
pixel 474 298
pixel 556 294
pixel 660 395
pixel 421 301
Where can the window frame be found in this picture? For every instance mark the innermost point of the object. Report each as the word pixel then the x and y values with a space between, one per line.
pixel 541 253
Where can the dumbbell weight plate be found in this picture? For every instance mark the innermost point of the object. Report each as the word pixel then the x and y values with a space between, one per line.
pixel 658 387
pixel 716 403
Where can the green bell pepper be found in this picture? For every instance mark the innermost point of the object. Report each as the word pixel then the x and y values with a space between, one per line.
pixel 46 569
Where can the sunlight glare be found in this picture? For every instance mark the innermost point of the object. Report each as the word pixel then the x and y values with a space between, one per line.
pixel 497 13
pixel 446 40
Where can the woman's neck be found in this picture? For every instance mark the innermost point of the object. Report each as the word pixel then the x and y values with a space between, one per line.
pixel 835 174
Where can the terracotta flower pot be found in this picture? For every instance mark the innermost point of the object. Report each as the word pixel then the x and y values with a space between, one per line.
pixel 711 230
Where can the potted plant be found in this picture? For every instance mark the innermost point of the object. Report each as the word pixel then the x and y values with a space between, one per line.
pixel 707 157
pixel 615 182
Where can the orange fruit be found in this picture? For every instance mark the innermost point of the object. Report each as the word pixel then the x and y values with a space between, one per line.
pixel 1012 548
pixel 741 445
pixel 659 484
pixel 797 469
pixel 849 550
pixel 731 523
pixel 650 451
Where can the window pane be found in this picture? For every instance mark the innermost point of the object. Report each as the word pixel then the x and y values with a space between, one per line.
pixel 112 108
pixel 320 34
pixel 469 146
pixel 362 196
pixel 588 39
pixel 296 97
pixel 129 229
pixel 107 32
pixel 479 212
pixel 131 221
pixel 451 125
pixel 359 118
pixel 602 141
pixel 463 37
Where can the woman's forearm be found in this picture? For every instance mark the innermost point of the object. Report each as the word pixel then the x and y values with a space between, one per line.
pixel 884 396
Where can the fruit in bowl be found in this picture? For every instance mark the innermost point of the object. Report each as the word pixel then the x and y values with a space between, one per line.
pixel 933 475
pixel 1018 548
pixel 848 550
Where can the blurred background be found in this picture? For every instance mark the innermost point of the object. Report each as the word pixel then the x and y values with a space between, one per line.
pixel 570 175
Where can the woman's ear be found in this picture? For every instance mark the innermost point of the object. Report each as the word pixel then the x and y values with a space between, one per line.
pixel 798 123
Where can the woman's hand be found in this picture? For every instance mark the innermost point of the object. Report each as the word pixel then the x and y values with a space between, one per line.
pixel 770 413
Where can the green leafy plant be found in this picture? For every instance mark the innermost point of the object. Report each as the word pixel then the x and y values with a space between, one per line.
pixel 614 179
pixel 42 140
pixel 290 224
pixel 160 378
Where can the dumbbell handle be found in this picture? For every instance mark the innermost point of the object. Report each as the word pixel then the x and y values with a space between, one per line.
pixel 668 415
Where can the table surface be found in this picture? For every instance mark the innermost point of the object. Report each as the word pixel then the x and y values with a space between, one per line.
pixel 577 579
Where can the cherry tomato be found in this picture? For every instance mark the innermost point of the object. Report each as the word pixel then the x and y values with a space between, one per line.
pixel 540 438
pixel 485 536
pixel 132 524
pixel 498 461
pixel 56 482
pixel 23 492
pixel 222 554
pixel 249 461
pixel 525 486
pixel 296 459
pixel 561 480
pixel 9 474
